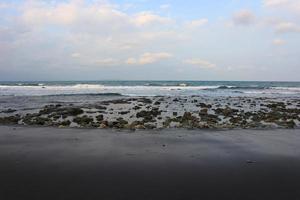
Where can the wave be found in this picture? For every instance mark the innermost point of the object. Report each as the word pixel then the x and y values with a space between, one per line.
pixel 286 88
pixel 224 87
pixel 166 84
pixel 144 89
pixel 89 94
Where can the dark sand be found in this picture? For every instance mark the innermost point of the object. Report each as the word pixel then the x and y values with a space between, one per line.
pixel 50 163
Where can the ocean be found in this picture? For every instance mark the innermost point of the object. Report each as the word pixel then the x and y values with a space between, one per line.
pixel 150 88
pixel 34 94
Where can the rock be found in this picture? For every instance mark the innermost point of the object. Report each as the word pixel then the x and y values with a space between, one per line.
pixel 74 111
pixel 119 101
pixel 189 121
pixel 227 112
pixel 136 108
pixel 103 125
pixel 10 120
pixel 124 112
pixel 99 107
pixel 9 110
pixel 140 127
pixel 145 100
pixel 136 125
pixel 41 121
pixel 290 124
pixel 208 118
pixel 83 121
pixel 99 118
pixel 65 123
pixel 203 111
pixel 148 115
pixel 203 105
pixel 67 111
pixel 276 105
pixel 157 103
pixel 149 126
pixel 121 123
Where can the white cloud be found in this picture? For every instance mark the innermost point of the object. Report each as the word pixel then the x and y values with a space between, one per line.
pixel 275 2
pixel 244 17
pixel 200 63
pixel 289 5
pixel 4 5
pixel 106 61
pixel 145 18
pixel 75 55
pixel 278 42
pixel 197 23
pixel 148 58
pixel 286 27
pixel 38 13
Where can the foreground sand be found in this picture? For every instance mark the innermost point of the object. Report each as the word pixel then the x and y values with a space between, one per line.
pixel 51 163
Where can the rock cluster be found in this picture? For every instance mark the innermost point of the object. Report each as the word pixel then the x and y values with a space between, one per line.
pixel 165 112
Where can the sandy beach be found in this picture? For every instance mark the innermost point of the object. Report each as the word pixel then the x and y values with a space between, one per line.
pixel 52 163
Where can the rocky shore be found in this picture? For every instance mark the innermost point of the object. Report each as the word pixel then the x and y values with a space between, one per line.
pixel 164 112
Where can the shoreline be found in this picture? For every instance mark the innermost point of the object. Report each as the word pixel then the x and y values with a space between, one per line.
pixel 52 163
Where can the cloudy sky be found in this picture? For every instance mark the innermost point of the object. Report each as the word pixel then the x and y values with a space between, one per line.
pixel 150 39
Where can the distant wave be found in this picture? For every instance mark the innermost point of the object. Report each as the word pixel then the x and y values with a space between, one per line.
pixel 89 94
pixel 225 87
pixel 167 84
pixel 286 88
pixel 145 89
pixel 70 95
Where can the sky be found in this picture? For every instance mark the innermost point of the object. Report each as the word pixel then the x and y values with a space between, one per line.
pixel 150 40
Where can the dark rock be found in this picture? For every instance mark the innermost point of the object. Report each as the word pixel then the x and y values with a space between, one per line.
pixel 145 100
pixel 203 105
pixel 65 123
pixel 227 112
pixel 99 107
pixel 136 108
pixel 99 118
pixel 148 115
pixel 124 112
pixel 189 121
pixel 10 120
pixel 276 105
pixel 157 103
pixel 9 110
pixel 83 121
pixel 68 111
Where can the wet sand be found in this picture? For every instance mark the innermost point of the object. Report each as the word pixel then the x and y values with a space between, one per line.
pixel 52 163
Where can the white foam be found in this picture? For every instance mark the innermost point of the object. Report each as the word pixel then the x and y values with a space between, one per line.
pixel 42 90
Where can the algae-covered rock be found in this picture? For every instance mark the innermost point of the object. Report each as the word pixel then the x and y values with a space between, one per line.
pixel 83 121
pixel 10 120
